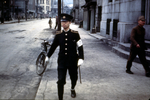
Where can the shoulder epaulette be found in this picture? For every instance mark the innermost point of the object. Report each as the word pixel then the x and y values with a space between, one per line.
pixel 73 31
pixel 59 32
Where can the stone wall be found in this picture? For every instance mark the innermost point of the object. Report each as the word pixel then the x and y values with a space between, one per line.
pixel 78 13
pixel 127 13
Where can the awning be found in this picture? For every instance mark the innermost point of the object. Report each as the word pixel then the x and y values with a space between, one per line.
pixel 33 11
pixel 89 4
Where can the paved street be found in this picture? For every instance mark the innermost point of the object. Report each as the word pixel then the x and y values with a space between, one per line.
pixel 103 72
pixel 19 48
pixel 103 75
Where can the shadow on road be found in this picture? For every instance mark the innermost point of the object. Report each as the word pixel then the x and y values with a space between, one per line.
pixel 50 30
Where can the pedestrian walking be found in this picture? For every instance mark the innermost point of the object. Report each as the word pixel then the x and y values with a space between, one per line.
pixel 50 22
pixel 56 22
pixel 71 55
pixel 138 47
pixel 18 19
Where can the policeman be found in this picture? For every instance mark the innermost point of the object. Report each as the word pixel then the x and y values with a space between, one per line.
pixel 70 55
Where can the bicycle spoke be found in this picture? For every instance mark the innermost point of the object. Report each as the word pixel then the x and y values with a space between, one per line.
pixel 40 64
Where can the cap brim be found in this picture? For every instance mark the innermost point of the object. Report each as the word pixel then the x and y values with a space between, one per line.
pixel 64 20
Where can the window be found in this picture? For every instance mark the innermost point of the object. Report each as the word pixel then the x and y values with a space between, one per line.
pixel 108 26
pixel 42 7
pixel 146 10
pixel 109 0
pixel 42 1
pixel 47 8
pixel 47 2
pixel 55 2
pixel 115 23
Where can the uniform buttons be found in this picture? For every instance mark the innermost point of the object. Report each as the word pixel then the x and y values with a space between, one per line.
pixel 66 34
pixel 65 48
pixel 65 53
pixel 66 39
pixel 65 43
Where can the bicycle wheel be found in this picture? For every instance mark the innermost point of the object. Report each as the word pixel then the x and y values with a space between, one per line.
pixel 40 64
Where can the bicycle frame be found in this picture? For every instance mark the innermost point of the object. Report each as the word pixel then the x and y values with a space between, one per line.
pixel 40 62
pixel 44 46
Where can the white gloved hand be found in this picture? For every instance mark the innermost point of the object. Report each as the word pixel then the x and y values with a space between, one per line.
pixel 80 62
pixel 46 60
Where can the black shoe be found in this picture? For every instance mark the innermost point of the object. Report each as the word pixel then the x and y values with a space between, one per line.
pixel 129 72
pixel 147 74
pixel 73 93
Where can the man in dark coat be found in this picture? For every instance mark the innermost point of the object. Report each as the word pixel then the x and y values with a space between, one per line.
pixel 56 22
pixel 70 55
pixel 50 22
pixel 138 47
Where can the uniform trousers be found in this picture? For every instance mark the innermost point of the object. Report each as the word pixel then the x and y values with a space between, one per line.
pixel 141 53
pixel 62 71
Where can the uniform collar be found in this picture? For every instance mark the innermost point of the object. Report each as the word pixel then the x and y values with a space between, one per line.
pixel 67 30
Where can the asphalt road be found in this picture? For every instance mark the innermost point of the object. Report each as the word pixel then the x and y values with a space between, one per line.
pixel 19 48
pixel 103 72
pixel 103 75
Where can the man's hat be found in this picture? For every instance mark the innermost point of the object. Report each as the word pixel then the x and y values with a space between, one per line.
pixel 142 18
pixel 66 17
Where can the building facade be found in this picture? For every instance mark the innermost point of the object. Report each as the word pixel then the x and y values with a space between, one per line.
pixel 46 8
pixel 120 16
pixel 5 9
pixel 113 19
pixel 31 9
pixel 54 9
pixel 77 10
pixel 23 9
pixel 89 15
pixel 64 8
pixel 13 9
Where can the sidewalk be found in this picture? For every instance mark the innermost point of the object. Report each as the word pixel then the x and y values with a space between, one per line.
pixel 10 24
pixel 109 42
pixel 16 21
pixel 103 75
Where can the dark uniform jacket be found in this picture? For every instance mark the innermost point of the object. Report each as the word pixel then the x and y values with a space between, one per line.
pixel 138 37
pixel 50 21
pixel 69 52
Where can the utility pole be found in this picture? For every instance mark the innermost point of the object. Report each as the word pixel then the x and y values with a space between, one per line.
pixel 26 8
pixel 37 9
pixel 59 12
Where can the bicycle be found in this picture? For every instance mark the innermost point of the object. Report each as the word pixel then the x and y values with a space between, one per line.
pixel 40 62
